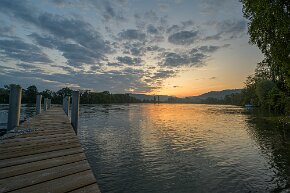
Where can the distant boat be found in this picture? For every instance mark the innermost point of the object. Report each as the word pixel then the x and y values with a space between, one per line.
pixel 249 105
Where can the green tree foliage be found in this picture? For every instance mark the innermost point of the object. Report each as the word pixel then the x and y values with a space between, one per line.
pixel 29 95
pixel 263 89
pixel 86 96
pixel 269 29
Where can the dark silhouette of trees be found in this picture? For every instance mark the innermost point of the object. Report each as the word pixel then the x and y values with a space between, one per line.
pixel 269 30
pixel 86 96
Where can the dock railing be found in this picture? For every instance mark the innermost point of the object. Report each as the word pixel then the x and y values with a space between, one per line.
pixel 15 107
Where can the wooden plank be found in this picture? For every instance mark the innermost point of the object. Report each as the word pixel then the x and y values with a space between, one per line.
pixel 41 133
pixel 93 188
pixel 25 180
pixel 41 156
pixel 40 165
pixel 37 151
pixel 60 185
pixel 33 148
pixel 28 143
pixel 20 139
pixel 48 158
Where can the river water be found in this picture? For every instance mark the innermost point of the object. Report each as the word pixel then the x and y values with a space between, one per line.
pixel 182 148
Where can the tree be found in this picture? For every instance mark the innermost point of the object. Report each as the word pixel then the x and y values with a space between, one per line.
pixel 263 89
pixel 30 94
pixel 269 30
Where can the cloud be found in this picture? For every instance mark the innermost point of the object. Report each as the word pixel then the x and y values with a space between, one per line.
pixel 171 59
pixel 173 29
pixel 209 48
pixel 26 66
pixel 151 29
pixel 114 64
pixel 68 28
pixel 183 37
pixel 232 29
pixel 163 6
pixel 75 54
pixel 163 74
pixel 129 61
pixel 132 34
pixel 19 50
pixel 155 48
pixel 228 29
pixel 136 51
pixel 77 30
pixel 111 13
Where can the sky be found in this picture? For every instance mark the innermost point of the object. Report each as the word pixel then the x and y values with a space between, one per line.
pixel 173 47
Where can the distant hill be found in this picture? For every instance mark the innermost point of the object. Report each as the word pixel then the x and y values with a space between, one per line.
pixel 217 94
pixel 212 94
pixel 149 97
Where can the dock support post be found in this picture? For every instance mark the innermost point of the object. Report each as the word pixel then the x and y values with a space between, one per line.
pixel 14 107
pixel 67 104
pixel 48 103
pixel 75 110
pixel 38 104
pixel 63 103
pixel 45 104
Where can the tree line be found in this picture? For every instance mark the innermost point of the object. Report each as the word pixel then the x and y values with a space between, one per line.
pixel 269 29
pixel 86 96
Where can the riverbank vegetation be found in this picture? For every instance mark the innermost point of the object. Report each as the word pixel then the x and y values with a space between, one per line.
pixel 86 96
pixel 269 29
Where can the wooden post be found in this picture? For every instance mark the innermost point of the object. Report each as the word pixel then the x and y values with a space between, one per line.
pixel 67 104
pixel 75 110
pixel 48 103
pixel 14 107
pixel 38 104
pixel 63 103
pixel 45 104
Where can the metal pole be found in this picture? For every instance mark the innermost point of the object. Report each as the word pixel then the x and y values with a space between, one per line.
pixel 45 104
pixel 75 110
pixel 38 104
pixel 14 107
pixel 67 105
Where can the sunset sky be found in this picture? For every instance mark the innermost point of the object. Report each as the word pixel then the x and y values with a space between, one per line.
pixel 173 47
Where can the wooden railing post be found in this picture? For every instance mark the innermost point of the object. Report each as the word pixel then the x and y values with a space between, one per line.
pixel 67 105
pixel 48 103
pixel 63 103
pixel 14 107
pixel 75 110
pixel 38 104
pixel 45 104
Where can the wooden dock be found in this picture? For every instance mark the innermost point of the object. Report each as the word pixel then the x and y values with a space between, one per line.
pixel 45 155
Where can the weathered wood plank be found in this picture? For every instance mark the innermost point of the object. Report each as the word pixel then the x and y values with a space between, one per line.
pixel 40 165
pixel 93 188
pixel 41 156
pixel 21 144
pixel 46 158
pixel 33 148
pixel 32 138
pixel 60 185
pixel 25 180
pixel 38 151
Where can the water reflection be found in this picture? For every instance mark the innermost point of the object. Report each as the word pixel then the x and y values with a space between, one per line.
pixel 273 139
pixel 27 111
pixel 183 148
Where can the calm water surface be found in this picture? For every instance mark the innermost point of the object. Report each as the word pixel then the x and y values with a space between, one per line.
pixel 181 148
pixel 184 148
pixel 27 111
